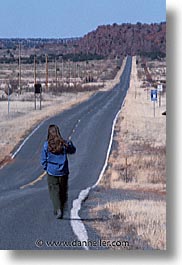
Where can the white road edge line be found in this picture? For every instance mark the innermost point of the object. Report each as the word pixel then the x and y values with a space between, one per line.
pixel 76 222
pixel 26 139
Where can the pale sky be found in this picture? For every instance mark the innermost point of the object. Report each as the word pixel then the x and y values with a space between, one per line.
pixel 73 18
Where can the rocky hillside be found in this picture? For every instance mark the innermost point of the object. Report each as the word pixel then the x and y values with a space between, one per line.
pixel 106 41
pixel 119 40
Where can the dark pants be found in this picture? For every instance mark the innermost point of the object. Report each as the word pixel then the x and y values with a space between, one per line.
pixel 58 188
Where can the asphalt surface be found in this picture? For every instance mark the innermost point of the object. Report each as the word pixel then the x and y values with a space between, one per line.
pixel 26 215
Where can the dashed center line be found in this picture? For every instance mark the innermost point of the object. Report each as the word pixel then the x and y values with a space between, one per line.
pixel 34 181
pixel 39 178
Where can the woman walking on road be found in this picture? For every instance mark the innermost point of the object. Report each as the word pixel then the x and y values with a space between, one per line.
pixel 55 162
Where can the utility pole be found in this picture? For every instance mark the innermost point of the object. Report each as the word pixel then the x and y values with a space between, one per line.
pixel 75 73
pixel 62 69
pixel 56 78
pixel 35 70
pixel 85 71
pixel 47 73
pixel 69 73
pixel 19 62
pixel 35 78
pixel 8 99
pixel 78 68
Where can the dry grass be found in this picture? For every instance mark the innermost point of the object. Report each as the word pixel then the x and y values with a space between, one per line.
pixel 111 83
pixel 141 223
pixel 23 116
pixel 136 164
pixel 144 171
pixel 14 127
pixel 139 155
pixel 68 71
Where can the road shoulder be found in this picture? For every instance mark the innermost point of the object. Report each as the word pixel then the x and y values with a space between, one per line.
pixel 129 203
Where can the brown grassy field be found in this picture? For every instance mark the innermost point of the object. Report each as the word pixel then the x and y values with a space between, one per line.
pixel 64 74
pixel 136 165
pixel 22 116
pixel 139 158
pixel 141 223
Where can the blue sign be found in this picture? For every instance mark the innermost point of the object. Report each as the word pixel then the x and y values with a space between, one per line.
pixel 154 95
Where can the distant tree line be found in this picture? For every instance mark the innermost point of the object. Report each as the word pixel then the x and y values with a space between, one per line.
pixel 106 41
pixel 153 55
pixel 51 58
pixel 82 57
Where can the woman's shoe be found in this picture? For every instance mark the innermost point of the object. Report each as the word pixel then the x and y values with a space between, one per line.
pixel 59 214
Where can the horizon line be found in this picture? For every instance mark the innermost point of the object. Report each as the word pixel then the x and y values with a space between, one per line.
pixel 69 38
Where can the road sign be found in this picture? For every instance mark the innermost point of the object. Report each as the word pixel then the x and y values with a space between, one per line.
pixel 153 95
pixel 160 88
pixel 38 88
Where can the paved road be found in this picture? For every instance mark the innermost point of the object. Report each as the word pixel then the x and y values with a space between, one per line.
pixel 26 214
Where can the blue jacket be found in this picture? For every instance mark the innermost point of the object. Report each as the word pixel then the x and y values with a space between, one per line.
pixel 56 165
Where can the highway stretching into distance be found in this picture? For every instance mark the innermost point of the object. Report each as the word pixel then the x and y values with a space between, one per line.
pixel 26 214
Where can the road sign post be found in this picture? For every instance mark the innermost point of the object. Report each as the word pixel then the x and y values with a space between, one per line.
pixel 159 98
pixel 147 92
pixel 8 99
pixel 154 98
pixel 38 90
pixel 159 90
